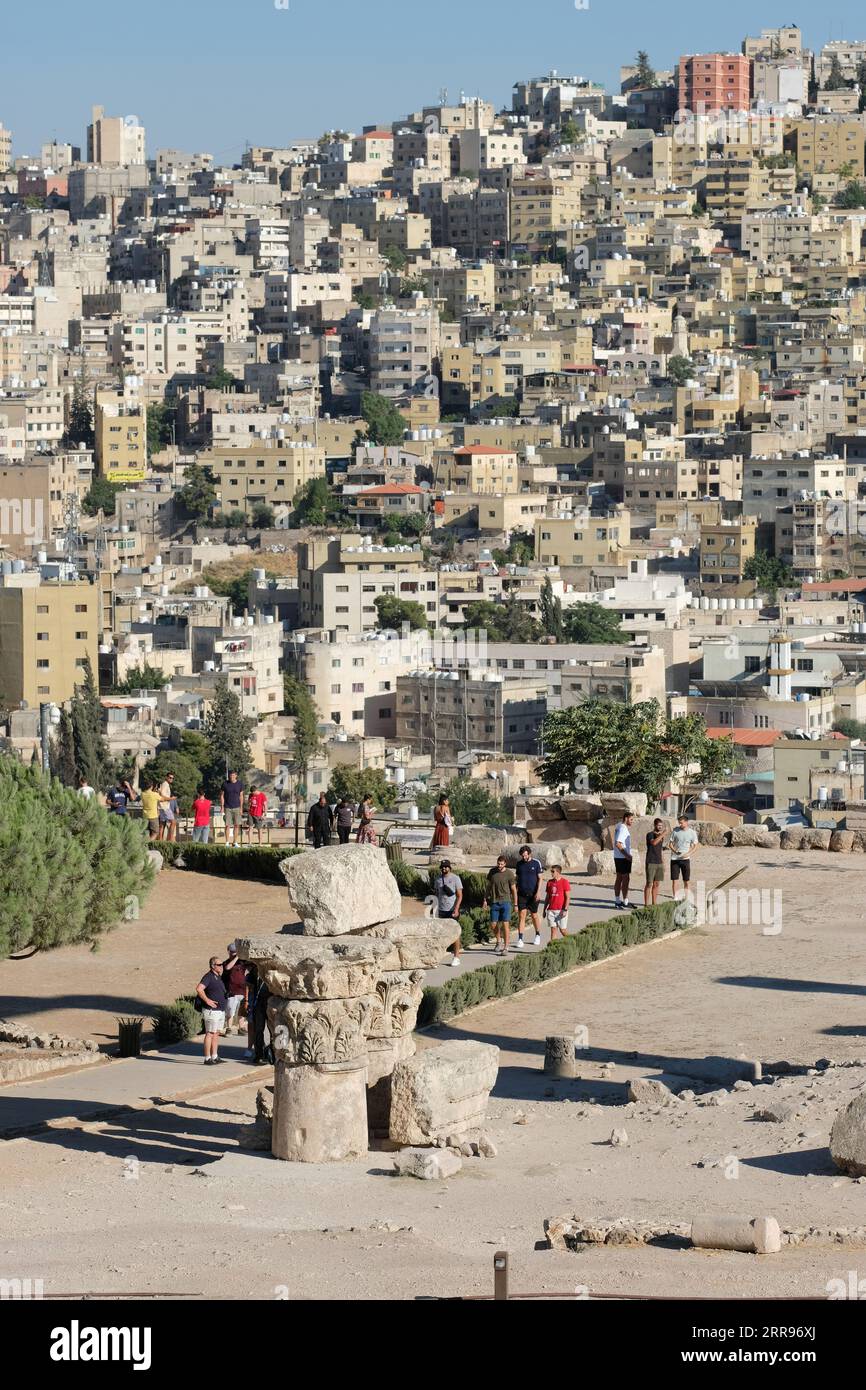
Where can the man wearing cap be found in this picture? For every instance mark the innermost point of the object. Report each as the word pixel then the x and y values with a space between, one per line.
pixel 235 980
pixel 448 889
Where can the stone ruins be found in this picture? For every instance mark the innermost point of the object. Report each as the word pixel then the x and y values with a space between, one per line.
pixel 346 986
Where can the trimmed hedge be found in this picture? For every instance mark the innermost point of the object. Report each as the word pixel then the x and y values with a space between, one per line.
pixel 504 977
pixel 260 862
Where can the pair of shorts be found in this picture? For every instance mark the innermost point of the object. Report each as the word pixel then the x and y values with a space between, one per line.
pixel 233 1006
pixel 655 873
pixel 232 816
pixel 214 1020
pixel 153 826
pixel 255 820
pixel 681 866
pixel 622 866
pixel 558 918
pixel 500 912
pixel 527 904
pixel 166 817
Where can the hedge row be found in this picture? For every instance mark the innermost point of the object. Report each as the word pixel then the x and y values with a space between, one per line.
pixel 256 862
pixel 513 973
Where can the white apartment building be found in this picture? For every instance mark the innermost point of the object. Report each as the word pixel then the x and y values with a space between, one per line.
pixel 353 680
pixel 401 353
pixel 115 139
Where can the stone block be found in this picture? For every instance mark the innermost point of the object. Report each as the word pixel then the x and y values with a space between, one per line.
pixel 383 1054
pixel 587 834
pixel 754 837
pixel 430 1165
pixel 842 841
pixel 320 1112
pixel 542 808
pixel 417 943
pixel 441 1091
pixel 713 833
pixel 326 1030
pixel 300 967
pixel 615 804
pixel 341 888
pixel 583 806
pixel 601 864
pixel 646 1091
pixel 848 1137
pixel 484 839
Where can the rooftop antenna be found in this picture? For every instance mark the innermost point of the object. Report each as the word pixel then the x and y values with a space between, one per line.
pixel 443 96
pixel 72 539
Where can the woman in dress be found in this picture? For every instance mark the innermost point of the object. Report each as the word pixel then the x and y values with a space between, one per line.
pixel 366 812
pixel 443 821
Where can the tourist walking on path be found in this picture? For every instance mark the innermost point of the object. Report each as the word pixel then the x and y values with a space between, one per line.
pixel 443 822
pixel 556 896
pixel 344 817
pixel 201 809
pixel 150 810
pixel 320 822
pixel 501 899
pixel 448 888
pixel 366 812
pixel 681 845
pixel 212 992
pixel 257 805
pixel 622 859
pixel 235 981
pixel 528 874
pixel 232 807
pixel 655 867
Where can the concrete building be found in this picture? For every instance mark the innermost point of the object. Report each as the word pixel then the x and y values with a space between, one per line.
pixel 725 551
pixel 401 353
pixel 448 713
pixel 582 540
pixel 714 82
pixel 120 426
pixel 353 680
pixel 272 472
pixel 115 139
pixel 47 631
pixel 5 148
pixel 341 578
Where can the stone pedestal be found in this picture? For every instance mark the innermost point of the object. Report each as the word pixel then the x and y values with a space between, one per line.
pixel 559 1057
pixel 320 1111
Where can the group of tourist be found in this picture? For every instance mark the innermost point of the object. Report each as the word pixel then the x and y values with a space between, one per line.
pixel 509 891
pixel 161 812
pixel 232 995
pixel 681 843
pixel 323 819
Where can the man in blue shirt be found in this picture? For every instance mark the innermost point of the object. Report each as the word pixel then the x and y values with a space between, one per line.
pixel 528 872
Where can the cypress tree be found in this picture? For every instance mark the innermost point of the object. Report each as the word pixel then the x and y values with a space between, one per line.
pixel 228 734
pixel 92 759
pixel 62 751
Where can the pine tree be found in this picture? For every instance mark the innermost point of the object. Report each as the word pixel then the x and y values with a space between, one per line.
pixel 306 743
pixel 92 758
pixel 80 427
pixel 228 734
pixel 551 611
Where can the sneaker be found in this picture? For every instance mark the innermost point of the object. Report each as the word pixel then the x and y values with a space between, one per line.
pixel 617 903
pixel 207 1061
pixel 455 960
pixel 217 1060
pixel 520 943
pixel 537 941
pixel 629 907
pixel 249 1052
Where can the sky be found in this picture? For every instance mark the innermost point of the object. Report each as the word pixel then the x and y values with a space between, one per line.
pixel 215 74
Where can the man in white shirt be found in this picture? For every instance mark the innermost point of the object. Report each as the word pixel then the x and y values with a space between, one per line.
pixel 622 860
pixel 85 789
pixel 681 845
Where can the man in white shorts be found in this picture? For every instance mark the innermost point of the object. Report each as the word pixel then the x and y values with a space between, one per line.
pixel 212 993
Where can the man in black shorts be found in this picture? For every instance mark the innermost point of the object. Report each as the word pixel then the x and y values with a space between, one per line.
pixel 682 843
pixel 528 873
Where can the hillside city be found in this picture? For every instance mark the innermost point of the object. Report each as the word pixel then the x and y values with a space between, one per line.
pixel 585 374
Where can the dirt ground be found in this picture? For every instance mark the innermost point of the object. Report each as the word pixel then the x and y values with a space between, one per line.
pixel 150 1201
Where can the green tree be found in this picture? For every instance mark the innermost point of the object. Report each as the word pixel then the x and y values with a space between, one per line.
pixel 835 79
pixel 385 424
pixel 851 728
pixel 521 549
pixel 471 803
pixel 395 257
pixel 853 195
pixel 187 775
pixel 195 746
pixel 589 622
pixel 364 300
pixel 392 613
pixel 644 75
pixel 79 430
pixel 569 134
pixel 680 369
pixel 68 870
pixel 161 422
pixel 262 516
pixel 551 611
pixel 629 747
pixel 198 493
pixel 510 621
pixel 228 732
pixel 92 758
pixel 142 677
pixel 769 572
pixel 62 751
pixel 307 741
pixel 101 496
pixel 222 380
pixel 355 783
pixel 316 504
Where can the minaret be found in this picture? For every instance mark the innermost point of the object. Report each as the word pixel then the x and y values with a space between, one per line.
pixel 780 669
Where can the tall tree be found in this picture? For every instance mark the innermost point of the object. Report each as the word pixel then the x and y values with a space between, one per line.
pixel 510 621
pixel 589 622
pixel 835 78
pixel 644 73
pixel 62 752
pixel 79 429
pixel 551 611
pixel 198 493
pixel 307 742
pixel 92 758
pixel 228 732
pixel 392 613
pixel 385 424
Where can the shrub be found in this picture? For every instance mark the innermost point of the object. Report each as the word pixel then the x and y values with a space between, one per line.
pixel 411 883
pixel 67 867
pixel 260 862
pixel 176 1022
pixel 169 849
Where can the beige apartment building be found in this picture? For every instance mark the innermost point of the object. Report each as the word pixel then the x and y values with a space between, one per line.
pixel 628 676
pixel 464 289
pixel 32 497
pixel 541 207
pixel 582 540
pixel 5 148
pixel 47 631
pixel 494 513
pixel 477 468
pixel 402 347
pixel 725 551
pixel 115 139
pixel 340 579
pixel 446 713
pixel 271 471
pixel 120 427
pixel 38 411
pixel 353 681
pixel 825 145
pixel 470 377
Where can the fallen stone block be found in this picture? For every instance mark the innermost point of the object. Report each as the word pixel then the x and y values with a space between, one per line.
pixel 760 1236
pixel 777 1112
pixel 586 834
pixel 618 1139
pixel 442 1091
pixel 156 860
pixel 616 804
pixel 754 837
pixel 428 1164
pixel 848 1137
pixel 341 888
pixel 417 943
pixel 581 807
pixel 724 1071
pixel 543 808
pixel 645 1091
pixel 842 841
pixel 713 833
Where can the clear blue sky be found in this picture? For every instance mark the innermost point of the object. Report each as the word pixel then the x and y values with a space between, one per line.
pixel 212 74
